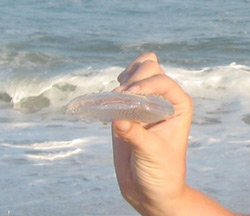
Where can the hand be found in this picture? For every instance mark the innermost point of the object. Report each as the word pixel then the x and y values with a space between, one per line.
pixel 150 159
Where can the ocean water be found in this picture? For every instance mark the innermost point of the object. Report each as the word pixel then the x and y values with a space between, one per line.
pixel 53 51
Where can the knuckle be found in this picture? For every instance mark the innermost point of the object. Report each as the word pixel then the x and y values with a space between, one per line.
pixel 189 101
pixel 151 56
pixel 135 136
pixel 127 195
pixel 153 66
pixel 163 78
pixel 150 63
pixel 189 105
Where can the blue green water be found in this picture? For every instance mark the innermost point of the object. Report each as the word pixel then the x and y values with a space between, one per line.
pixel 57 37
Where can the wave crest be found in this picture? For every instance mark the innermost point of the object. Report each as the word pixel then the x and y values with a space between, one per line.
pixel 34 94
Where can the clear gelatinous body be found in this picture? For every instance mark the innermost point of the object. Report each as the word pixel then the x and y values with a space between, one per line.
pixel 109 106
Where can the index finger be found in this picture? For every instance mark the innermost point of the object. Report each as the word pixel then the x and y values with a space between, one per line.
pixel 132 67
pixel 165 86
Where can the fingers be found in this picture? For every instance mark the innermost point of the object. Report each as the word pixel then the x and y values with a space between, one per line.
pixel 149 78
pixel 134 65
pixel 161 85
pixel 183 108
pixel 146 69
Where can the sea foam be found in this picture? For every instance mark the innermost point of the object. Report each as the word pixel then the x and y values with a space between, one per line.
pixel 31 94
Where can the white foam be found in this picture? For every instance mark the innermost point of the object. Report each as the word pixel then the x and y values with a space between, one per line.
pixel 50 150
pixel 36 93
pixel 22 125
pixel 221 83
pixel 222 89
pixel 54 156
pixel 42 146
pixel 239 142
pixel 49 145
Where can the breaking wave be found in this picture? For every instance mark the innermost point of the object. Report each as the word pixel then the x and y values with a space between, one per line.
pixel 34 94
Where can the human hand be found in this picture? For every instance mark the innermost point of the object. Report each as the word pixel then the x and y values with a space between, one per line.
pixel 150 159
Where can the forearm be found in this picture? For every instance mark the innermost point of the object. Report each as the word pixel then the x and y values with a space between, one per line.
pixel 194 203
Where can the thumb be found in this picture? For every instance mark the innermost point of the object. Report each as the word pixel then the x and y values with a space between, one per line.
pixel 133 133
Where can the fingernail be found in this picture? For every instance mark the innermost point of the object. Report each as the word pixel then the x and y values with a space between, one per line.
pixel 133 89
pixel 125 78
pixel 119 89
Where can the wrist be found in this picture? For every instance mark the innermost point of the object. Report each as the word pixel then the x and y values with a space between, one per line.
pixel 165 204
